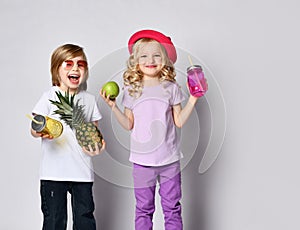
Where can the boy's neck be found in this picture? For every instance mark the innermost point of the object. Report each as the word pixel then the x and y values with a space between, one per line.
pixel 71 91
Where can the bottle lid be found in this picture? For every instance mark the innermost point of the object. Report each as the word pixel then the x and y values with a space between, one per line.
pixel 194 67
pixel 38 127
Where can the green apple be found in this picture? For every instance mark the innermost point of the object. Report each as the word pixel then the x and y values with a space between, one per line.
pixel 111 88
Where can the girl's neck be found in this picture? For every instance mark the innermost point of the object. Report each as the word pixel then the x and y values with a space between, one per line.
pixel 150 81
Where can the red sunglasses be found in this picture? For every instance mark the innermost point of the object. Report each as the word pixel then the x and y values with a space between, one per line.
pixel 68 64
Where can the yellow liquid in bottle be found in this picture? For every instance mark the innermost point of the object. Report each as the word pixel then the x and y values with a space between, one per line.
pixel 54 127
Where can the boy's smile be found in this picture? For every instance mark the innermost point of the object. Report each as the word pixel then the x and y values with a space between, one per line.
pixel 74 78
pixel 72 73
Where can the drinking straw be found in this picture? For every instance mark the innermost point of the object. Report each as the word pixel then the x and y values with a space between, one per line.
pixel 190 60
pixel 35 121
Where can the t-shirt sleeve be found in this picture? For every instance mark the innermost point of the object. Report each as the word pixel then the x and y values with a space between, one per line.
pixel 96 113
pixel 178 96
pixel 42 107
pixel 91 108
pixel 127 100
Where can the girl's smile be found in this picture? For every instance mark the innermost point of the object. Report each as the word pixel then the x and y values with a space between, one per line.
pixel 151 66
pixel 150 59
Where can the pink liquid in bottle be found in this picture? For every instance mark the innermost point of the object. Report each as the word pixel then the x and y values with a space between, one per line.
pixel 196 81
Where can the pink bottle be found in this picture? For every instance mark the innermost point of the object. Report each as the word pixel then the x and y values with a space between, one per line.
pixel 196 81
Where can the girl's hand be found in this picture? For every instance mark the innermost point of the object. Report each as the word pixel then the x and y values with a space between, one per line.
pixel 95 152
pixel 192 99
pixel 111 103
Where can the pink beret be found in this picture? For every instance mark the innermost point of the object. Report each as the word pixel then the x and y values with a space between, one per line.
pixel 161 38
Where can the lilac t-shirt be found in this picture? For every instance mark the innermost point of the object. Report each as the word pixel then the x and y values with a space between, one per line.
pixel 154 140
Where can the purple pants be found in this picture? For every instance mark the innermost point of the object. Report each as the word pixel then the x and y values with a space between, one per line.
pixel 169 179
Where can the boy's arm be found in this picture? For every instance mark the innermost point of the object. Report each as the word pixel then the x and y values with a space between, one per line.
pixel 42 135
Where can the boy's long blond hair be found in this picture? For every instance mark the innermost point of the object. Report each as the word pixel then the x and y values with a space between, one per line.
pixel 133 76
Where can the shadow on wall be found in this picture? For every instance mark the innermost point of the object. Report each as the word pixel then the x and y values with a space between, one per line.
pixel 114 206
pixel 113 193
pixel 195 199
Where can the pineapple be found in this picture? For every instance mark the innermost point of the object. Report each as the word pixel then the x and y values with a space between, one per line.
pixel 87 133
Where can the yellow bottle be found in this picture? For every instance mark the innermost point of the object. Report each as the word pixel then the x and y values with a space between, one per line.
pixel 47 125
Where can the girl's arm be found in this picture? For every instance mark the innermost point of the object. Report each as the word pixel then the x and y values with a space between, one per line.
pixel 181 115
pixel 124 118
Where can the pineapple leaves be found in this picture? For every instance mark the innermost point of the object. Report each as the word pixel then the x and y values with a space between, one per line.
pixel 72 113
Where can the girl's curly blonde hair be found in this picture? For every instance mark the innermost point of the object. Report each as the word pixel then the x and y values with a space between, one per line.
pixel 133 76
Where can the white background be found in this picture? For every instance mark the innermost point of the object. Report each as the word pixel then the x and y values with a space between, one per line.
pixel 252 48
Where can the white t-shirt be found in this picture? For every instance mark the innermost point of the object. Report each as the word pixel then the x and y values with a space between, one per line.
pixel 62 158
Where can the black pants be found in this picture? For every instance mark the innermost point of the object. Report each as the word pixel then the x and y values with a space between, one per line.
pixel 54 205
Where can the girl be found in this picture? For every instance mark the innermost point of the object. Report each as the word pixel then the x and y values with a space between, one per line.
pixel 65 166
pixel 152 111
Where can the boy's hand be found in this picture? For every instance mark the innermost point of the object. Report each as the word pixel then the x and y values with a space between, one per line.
pixel 46 136
pixel 41 135
pixel 95 152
